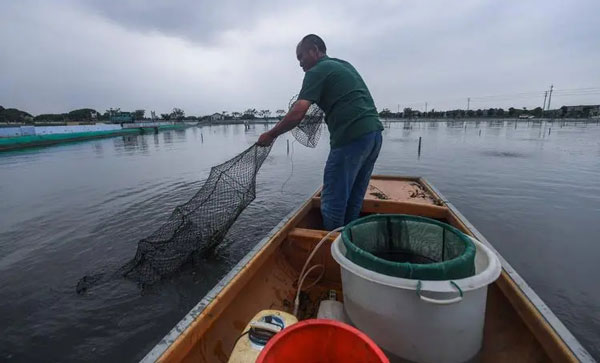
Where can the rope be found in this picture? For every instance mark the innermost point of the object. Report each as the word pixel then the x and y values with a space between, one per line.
pixel 303 274
pixel 292 171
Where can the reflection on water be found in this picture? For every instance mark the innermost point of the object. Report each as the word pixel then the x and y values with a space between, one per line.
pixel 168 137
pixel 503 154
pixel 532 188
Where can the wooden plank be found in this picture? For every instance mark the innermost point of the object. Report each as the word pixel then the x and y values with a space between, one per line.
pixel 429 189
pixel 395 207
pixel 309 236
pixel 178 350
pixel 270 288
pixel 553 345
pixel 395 177
pixel 301 242
pixel 506 338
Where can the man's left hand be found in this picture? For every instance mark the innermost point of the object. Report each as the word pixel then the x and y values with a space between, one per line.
pixel 265 139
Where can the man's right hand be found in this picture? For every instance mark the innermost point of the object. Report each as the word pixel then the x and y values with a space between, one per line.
pixel 265 139
pixel 289 121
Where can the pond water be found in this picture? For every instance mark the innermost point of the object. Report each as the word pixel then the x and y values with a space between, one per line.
pixel 533 189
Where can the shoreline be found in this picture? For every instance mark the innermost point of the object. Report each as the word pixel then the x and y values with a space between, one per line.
pixel 23 142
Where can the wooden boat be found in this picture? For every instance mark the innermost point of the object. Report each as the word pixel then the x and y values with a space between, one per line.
pixel 519 327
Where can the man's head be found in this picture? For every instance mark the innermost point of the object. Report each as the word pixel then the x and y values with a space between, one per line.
pixel 310 49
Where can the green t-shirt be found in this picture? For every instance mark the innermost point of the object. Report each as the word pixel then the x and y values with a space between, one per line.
pixel 337 88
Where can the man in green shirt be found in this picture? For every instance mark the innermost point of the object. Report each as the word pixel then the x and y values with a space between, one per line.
pixel 353 123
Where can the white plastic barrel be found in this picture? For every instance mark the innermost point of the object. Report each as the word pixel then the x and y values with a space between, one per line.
pixel 421 321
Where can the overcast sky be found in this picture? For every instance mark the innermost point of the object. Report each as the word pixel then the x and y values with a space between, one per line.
pixel 209 56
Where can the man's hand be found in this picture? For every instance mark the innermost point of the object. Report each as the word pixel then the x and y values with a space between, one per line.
pixel 291 120
pixel 265 139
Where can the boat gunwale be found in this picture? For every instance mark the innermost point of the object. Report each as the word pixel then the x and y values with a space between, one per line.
pixel 577 350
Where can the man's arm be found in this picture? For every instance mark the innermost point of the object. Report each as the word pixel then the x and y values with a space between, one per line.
pixel 291 120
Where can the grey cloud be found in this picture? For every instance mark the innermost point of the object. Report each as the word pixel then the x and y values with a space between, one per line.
pixel 229 55
pixel 192 20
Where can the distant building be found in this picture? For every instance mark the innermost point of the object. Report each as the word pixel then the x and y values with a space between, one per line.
pixel 580 111
pixel 217 117
pixel 119 117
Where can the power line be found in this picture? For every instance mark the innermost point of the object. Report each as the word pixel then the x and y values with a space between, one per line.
pixel 518 96
pixel 577 89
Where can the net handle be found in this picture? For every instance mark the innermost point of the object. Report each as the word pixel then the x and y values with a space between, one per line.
pixel 431 300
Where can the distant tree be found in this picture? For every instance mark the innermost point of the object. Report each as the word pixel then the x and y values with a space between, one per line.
pixel 479 113
pixel 250 113
pixel 265 113
pixel 177 114
pixel 408 112
pixel 14 115
pixel 236 114
pixel 50 117
pixel 537 112
pixel 563 111
pixel 139 114
pixel 500 112
pixel 280 113
pixel 385 113
pixel 512 112
pixel 585 113
pixel 470 113
pixel 111 111
pixel 83 114
pixel 165 116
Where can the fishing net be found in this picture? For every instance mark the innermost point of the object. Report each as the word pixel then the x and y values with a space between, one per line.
pixel 410 247
pixel 202 222
pixel 308 131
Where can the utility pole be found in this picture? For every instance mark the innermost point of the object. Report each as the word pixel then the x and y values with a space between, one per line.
pixel 425 107
pixel 550 97
pixel 468 103
pixel 545 95
pixel 398 108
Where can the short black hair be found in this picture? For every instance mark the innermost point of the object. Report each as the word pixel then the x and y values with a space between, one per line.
pixel 313 39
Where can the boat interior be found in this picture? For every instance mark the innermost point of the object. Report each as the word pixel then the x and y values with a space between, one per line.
pixel 514 329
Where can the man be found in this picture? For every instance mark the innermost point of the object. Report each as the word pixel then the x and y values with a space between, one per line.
pixel 353 123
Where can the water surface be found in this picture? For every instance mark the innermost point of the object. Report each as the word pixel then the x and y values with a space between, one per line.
pixel 533 189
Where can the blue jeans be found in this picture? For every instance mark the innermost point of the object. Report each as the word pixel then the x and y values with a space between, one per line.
pixel 346 179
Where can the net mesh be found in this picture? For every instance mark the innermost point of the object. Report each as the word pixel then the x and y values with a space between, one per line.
pixel 308 131
pixel 409 247
pixel 202 222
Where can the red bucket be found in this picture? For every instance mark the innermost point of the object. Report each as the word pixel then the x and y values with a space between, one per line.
pixel 321 340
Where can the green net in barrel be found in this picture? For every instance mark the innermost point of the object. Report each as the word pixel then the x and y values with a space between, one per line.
pixel 409 247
